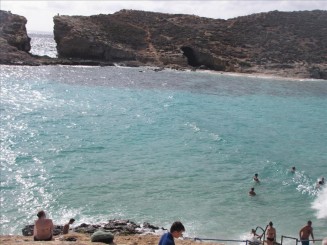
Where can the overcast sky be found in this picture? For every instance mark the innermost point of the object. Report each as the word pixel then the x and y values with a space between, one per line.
pixel 40 14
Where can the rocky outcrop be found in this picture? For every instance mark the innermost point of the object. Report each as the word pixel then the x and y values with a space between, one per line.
pixel 14 41
pixel 13 30
pixel 259 42
pixel 116 227
pixel 288 44
pixel 15 45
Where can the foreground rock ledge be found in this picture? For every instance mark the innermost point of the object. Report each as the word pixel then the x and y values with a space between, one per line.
pixel 286 44
pixel 84 239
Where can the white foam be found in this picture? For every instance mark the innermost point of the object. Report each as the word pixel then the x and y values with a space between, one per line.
pixel 320 203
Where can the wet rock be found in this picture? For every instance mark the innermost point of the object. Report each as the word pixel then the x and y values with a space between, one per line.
pixel 28 230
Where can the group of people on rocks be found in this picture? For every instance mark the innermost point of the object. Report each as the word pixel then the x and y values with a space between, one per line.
pixel 319 183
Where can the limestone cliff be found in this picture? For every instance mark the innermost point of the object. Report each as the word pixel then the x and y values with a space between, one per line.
pixel 258 42
pixel 289 44
pixel 14 41
pixel 15 45
pixel 12 28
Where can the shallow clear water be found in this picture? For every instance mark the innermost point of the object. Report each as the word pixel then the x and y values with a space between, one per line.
pixel 97 143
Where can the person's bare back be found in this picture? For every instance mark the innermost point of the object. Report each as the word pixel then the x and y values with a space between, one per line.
pixel 43 228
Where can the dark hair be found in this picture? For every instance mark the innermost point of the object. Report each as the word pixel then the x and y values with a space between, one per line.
pixel 270 223
pixel 71 220
pixel 177 226
pixel 309 222
pixel 41 214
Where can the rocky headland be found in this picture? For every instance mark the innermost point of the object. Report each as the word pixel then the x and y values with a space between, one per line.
pixel 287 44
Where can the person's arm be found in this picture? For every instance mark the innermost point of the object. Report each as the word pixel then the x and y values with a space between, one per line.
pixel 51 227
pixel 313 239
pixel 34 230
pixel 300 233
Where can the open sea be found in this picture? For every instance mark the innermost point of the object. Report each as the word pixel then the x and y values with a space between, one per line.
pixel 100 143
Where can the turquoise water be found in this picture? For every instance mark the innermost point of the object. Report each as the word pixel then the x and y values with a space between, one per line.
pixel 97 143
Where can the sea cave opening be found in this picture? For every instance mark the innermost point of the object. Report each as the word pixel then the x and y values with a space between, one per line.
pixel 190 55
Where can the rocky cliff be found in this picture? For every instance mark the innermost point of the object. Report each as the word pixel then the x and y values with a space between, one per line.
pixel 289 44
pixel 272 41
pixel 14 41
pixel 15 45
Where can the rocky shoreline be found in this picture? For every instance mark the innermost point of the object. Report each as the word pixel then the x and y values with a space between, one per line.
pixel 284 44
pixel 116 227
pixel 125 232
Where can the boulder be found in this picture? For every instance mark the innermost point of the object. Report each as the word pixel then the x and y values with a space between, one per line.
pixel 102 236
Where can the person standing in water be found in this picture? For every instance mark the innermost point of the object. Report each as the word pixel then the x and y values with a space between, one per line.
pixel 252 192
pixel 293 169
pixel 255 178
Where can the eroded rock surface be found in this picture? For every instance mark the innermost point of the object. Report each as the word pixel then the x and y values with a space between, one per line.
pixel 116 227
pixel 266 41
pixel 287 44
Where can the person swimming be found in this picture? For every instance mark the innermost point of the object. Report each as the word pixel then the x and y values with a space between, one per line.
pixel 255 178
pixel 320 182
pixel 293 169
pixel 252 192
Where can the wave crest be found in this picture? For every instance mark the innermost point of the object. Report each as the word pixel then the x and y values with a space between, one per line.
pixel 320 203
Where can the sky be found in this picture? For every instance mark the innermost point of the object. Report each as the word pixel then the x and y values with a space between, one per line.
pixel 39 14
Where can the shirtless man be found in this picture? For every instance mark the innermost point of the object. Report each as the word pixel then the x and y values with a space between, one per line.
pixel 252 192
pixel 66 226
pixel 43 228
pixel 305 233
pixel 271 234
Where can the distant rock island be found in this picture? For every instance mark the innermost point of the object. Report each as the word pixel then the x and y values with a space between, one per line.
pixel 288 44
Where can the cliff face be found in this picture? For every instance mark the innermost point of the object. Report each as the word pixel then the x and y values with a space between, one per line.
pixel 289 44
pixel 14 41
pixel 15 45
pixel 273 40
pixel 12 29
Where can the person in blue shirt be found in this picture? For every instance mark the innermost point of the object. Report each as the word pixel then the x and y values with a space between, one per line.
pixel 176 231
